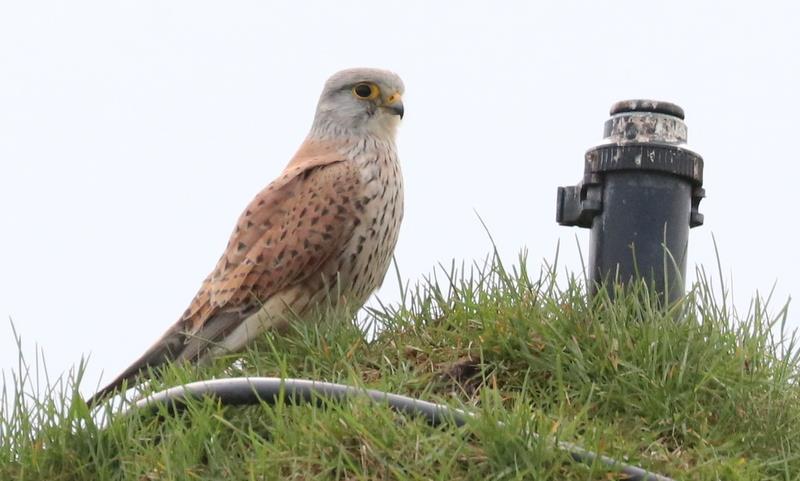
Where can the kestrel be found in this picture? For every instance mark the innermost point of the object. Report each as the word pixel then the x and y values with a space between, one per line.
pixel 326 227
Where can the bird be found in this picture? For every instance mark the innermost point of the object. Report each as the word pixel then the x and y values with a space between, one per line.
pixel 325 228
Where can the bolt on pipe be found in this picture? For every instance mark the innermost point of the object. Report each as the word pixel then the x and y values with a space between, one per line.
pixel 639 195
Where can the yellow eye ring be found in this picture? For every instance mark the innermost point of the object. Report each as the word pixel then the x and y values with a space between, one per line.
pixel 366 91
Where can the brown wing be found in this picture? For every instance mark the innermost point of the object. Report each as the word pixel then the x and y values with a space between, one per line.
pixel 284 235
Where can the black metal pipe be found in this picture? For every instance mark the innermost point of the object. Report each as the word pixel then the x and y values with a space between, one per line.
pixel 639 195
pixel 255 390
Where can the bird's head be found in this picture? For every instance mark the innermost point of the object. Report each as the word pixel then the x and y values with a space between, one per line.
pixel 360 101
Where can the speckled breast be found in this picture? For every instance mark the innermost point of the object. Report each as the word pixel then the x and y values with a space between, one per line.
pixel 379 212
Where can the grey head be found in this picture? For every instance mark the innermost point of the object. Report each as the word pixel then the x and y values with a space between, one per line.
pixel 360 101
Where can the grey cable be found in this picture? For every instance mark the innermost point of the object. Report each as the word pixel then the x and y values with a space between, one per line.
pixel 254 390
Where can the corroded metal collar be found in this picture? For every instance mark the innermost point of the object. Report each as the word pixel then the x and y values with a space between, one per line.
pixel 645 121
pixel 645 135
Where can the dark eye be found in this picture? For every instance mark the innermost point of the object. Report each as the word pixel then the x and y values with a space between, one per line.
pixel 365 91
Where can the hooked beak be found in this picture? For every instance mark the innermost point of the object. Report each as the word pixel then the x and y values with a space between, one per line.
pixel 394 104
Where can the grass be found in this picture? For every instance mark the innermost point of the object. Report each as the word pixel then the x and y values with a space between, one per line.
pixel 696 392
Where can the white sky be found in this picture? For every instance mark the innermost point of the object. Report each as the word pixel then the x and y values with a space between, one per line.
pixel 133 133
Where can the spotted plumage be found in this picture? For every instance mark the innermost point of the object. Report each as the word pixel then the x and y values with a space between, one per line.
pixel 327 226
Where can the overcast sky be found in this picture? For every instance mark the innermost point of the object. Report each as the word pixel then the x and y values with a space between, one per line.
pixel 132 134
